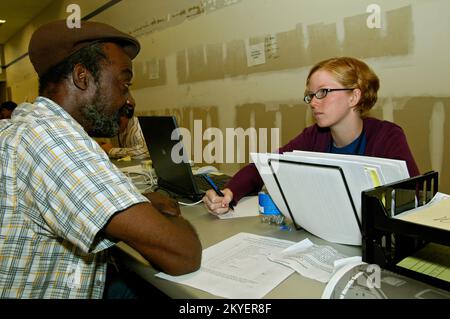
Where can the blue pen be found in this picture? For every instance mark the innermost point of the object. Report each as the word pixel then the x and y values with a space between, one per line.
pixel 216 189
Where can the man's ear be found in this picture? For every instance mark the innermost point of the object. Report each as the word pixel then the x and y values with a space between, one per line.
pixel 81 76
pixel 355 97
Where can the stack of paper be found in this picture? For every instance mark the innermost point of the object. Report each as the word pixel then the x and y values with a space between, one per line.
pixel 238 267
pixel 321 192
pixel 434 214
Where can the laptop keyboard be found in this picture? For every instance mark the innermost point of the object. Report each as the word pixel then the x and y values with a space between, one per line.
pixel 219 180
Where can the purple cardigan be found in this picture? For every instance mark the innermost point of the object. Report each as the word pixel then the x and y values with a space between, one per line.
pixel 384 139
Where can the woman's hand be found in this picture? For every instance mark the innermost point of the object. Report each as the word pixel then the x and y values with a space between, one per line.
pixel 218 205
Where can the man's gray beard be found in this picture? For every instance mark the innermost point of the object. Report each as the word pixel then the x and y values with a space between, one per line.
pixel 100 124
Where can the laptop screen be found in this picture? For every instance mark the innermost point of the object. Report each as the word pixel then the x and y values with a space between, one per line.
pixel 176 177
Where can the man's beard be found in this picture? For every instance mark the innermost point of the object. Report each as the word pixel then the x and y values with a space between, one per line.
pixel 98 123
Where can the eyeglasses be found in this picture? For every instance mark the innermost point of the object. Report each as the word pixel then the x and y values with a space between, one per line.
pixel 320 94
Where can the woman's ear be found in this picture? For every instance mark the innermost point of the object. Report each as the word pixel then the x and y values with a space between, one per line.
pixel 355 97
pixel 80 76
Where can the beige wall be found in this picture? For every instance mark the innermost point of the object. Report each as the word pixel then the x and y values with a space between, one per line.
pixel 2 62
pixel 22 79
pixel 197 68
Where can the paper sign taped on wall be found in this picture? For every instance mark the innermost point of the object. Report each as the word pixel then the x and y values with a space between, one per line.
pixel 256 54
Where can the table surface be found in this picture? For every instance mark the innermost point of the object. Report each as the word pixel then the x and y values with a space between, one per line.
pixel 212 230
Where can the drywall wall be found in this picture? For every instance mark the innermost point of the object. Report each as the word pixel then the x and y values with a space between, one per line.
pixel 22 79
pixel 243 63
pixel 2 62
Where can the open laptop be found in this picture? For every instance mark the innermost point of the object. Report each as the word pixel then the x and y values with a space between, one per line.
pixel 162 140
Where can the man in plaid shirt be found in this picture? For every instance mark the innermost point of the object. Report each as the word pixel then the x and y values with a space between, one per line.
pixel 62 202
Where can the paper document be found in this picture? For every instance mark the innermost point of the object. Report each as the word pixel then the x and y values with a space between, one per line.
pixel 388 170
pixel 256 54
pixel 261 161
pixel 247 206
pixel 131 169
pixel 321 192
pixel 238 267
pixel 313 261
pixel 434 214
pixel 432 260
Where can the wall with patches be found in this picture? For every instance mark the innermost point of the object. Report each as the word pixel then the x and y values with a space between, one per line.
pixel 22 80
pixel 243 63
pixel 2 62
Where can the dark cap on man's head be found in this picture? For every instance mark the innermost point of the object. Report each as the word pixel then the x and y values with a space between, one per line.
pixel 53 42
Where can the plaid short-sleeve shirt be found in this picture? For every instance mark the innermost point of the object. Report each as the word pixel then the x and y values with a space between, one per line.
pixel 58 189
pixel 131 142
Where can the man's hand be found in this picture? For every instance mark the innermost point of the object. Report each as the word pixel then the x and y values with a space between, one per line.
pixel 106 146
pixel 164 203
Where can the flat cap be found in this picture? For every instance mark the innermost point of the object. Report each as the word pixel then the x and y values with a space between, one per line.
pixel 53 42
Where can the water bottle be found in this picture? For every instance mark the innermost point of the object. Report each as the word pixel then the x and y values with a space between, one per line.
pixel 268 211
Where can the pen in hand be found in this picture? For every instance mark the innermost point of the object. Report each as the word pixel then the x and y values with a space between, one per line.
pixel 216 189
